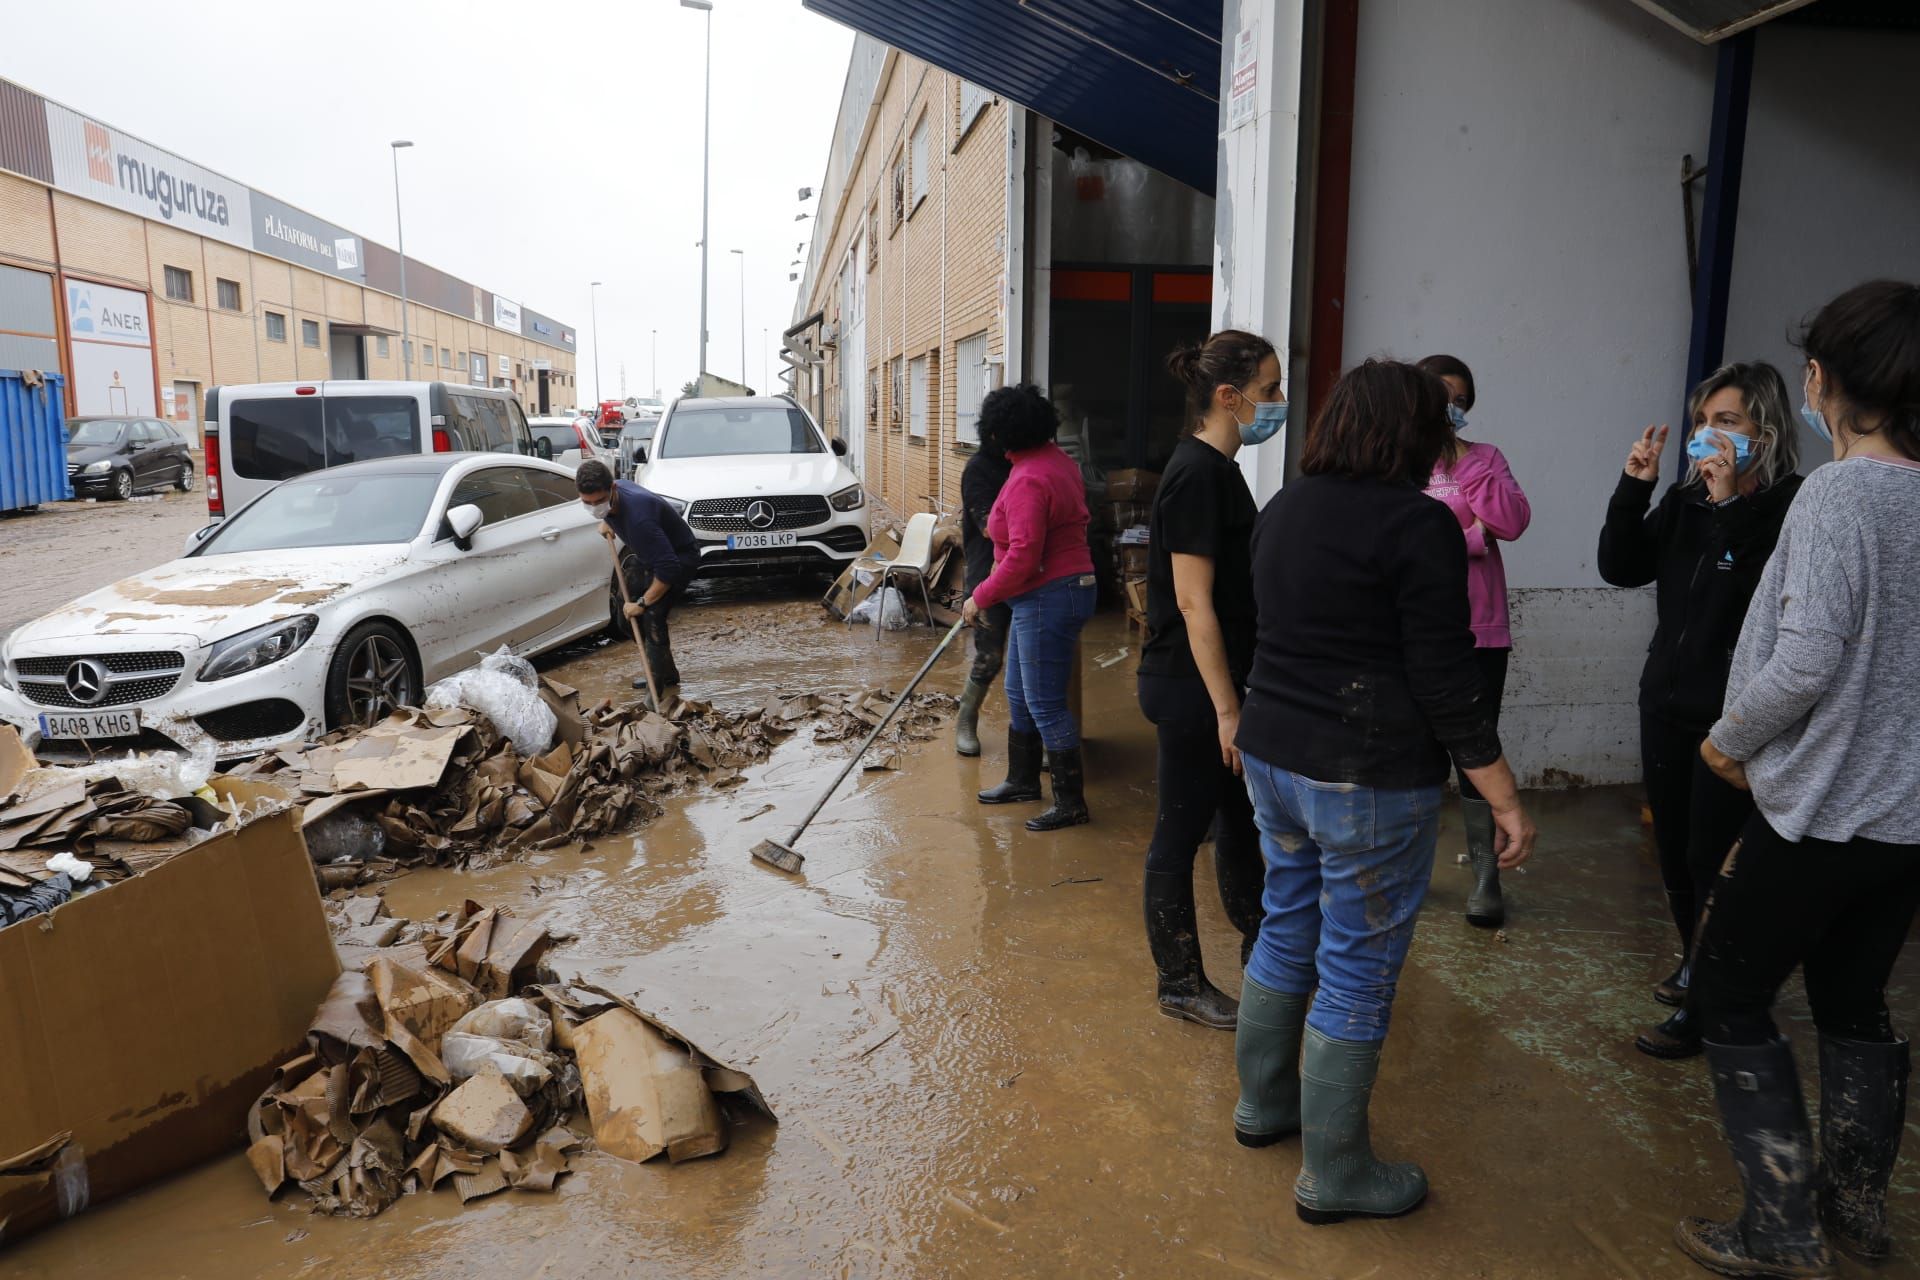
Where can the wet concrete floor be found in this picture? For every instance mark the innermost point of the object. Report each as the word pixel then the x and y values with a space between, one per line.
pixel 66 549
pixel 955 1020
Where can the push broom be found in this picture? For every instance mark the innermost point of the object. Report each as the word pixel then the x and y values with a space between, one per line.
pixel 782 854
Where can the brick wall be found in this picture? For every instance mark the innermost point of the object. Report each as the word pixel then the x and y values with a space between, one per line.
pixel 935 279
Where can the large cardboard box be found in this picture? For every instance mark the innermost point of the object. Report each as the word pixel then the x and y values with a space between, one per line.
pixel 138 1023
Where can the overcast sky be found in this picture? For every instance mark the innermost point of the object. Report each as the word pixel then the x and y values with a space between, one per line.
pixel 554 143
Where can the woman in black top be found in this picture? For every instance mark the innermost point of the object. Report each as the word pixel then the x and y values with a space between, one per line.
pixel 1193 667
pixel 1705 545
pixel 980 483
pixel 1364 681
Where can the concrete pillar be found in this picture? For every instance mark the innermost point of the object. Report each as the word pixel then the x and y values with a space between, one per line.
pixel 1256 199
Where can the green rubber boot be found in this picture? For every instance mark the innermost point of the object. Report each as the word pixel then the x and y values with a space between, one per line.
pixel 966 723
pixel 1266 1049
pixel 1339 1176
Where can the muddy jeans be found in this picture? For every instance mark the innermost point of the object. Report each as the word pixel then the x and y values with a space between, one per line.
pixel 653 623
pixel 1347 870
pixel 1040 654
pixel 990 643
pixel 1839 911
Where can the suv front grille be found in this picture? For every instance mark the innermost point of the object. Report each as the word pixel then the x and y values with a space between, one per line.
pixel 131 677
pixel 729 515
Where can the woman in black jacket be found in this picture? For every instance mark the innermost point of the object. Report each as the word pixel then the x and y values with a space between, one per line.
pixel 1704 545
pixel 1364 683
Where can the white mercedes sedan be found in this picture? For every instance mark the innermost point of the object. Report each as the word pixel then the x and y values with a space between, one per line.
pixel 329 600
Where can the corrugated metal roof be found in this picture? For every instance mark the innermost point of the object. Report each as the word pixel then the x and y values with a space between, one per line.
pixel 1710 20
pixel 1142 78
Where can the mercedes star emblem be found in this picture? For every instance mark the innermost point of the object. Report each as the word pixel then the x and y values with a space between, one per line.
pixel 760 513
pixel 87 681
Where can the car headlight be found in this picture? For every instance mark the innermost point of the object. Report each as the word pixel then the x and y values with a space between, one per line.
pixel 99 468
pixel 851 498
pixel 679 507
pixel 260 647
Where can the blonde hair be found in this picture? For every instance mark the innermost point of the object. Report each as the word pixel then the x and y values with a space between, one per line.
pixel 1763 393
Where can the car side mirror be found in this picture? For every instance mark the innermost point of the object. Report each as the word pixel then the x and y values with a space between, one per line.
pixel 199 536
pixel 839 447
pixel 465 520
pixel 544 448
pixel 128 447
pixel 639 453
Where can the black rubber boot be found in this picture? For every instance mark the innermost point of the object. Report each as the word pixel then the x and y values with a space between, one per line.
pixel 1240 871
pixel 1174 939
pixel 1677 1037
pixel 1340 1177
pixel 1266 1050
pixel 1069 807
pixel 1765 1122
pixel 1485 907
pixel 1672 989
pixel 1863 1112
pixel 966 723
pixel 1023 771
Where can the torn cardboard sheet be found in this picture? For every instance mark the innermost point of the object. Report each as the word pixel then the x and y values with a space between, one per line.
pixel 412 1079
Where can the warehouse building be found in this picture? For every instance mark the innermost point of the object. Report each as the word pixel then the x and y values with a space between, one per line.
pixel 147 279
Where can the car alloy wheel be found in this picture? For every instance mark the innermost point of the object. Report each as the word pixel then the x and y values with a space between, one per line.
pixel 123 485
pixel 379 680
pixel 184 481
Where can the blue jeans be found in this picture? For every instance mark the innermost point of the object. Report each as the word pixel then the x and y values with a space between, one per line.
pixel 1040 647
pixel 1347 870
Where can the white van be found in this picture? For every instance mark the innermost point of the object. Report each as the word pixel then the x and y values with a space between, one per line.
pixel 572 440
pixel 261 433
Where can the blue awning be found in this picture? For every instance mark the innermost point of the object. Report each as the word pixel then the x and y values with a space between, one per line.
pixel 1142 78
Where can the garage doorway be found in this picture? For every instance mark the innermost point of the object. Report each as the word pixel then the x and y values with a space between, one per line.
pixel 349 354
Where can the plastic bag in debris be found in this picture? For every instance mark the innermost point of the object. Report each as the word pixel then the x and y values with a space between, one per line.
pixel 510 1035
pixel 345 834
pixel 19 904
pixel 165 775
pixel 889 605
pixel 506 690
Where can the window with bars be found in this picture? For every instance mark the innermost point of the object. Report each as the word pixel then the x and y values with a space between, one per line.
pixel 969 387
pixel 380 346
pixel 276 327
pixel 228 292
pixel 899 189
pixel 921 169
pixel 896 392
pixel 179 284
pixel 873 400
pixel 873 237
pixel 309 333
pixel 917 403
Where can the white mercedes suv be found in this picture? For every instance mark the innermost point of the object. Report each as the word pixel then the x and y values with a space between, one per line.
pixel 760 485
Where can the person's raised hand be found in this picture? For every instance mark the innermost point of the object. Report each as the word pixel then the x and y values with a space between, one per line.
pixel 1643 460
pixel 1721 470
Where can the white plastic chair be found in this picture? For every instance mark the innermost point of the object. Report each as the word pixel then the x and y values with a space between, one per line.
pixel 916 558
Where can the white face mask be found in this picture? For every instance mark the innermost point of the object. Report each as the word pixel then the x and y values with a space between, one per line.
pixel 600 510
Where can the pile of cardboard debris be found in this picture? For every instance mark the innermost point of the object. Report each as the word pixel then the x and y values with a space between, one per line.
pixel 453 1055
pixel 446 786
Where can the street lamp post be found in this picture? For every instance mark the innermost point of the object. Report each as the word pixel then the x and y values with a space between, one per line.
pixel 743 314
pixel 594 295
pixel 706 167
pixel 400 232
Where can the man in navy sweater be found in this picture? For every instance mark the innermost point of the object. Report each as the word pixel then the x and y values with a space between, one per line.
pixel 659 558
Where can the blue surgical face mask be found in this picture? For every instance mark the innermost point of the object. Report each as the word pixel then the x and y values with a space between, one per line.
pixel 1457 416
pixel 1268 417
pixel 1704 446
pixel 1818 421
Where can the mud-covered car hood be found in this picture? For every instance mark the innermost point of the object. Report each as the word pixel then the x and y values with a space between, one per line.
pixel 212 597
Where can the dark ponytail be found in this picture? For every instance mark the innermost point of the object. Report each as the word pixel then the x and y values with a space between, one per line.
pixel 1231 356
pixel 1867 341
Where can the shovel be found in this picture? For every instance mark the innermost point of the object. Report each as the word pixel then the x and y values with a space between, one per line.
pixel 782 854
pixel 646 668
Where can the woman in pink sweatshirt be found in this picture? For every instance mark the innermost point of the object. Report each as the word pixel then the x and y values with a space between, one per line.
pixel 1043 569
pixel 1475 483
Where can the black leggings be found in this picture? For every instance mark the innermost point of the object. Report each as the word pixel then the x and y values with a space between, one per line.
pixel 1198 791
pixel 1840 910
pixel 1696 816
pixel 1493 674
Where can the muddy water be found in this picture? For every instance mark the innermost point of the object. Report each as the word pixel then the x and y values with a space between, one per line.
pixel 954 1019
pixel 66 549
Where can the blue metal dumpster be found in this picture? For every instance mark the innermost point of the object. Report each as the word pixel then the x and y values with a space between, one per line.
pixel 33 439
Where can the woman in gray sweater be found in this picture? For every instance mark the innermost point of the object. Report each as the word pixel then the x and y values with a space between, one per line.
pixel 1822 722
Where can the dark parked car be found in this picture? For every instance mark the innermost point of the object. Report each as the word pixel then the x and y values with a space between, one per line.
pixel 119 457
